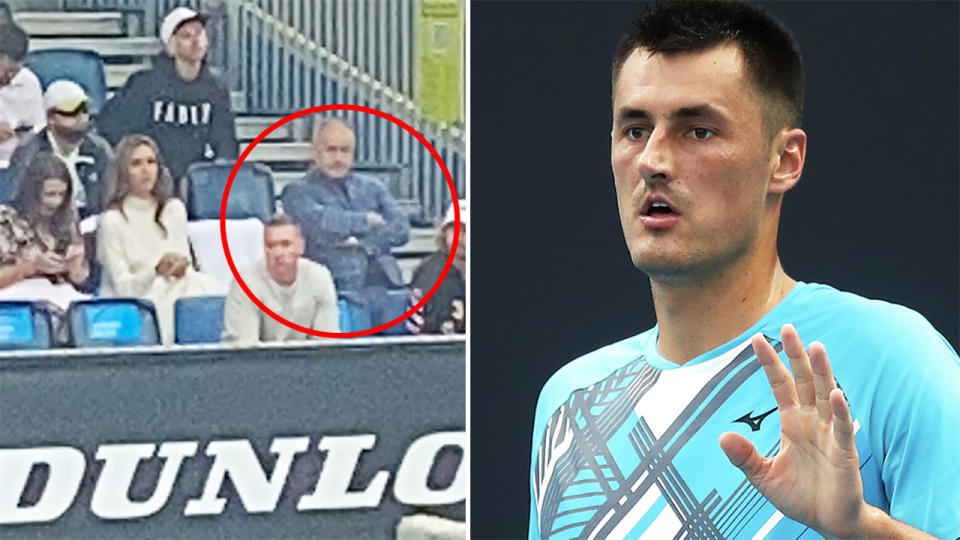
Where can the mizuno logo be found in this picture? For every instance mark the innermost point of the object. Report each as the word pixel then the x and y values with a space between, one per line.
pixel 754 421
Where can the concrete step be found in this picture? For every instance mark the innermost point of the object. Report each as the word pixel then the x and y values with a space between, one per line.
pixel 282 178
pixel 422 242
pixel 281 152
pixel 117 74
pixel 54 23
pixel 250 127
pixel 121 46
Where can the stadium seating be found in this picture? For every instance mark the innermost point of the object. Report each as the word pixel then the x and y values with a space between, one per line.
pixel 7 193
pixel 108 322
pixel 354 315
pixel 80 66
pixel 199 319
pixel 251 194
pixel 395 303
pixel 24 325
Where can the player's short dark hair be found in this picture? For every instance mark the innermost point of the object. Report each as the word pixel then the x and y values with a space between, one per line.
pixel 13 41
pixel 772 56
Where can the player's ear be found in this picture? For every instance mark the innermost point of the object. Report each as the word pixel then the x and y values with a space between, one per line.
pixel 790 148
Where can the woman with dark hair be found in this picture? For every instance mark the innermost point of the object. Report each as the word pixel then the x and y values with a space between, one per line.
pixel 39 234
pixel 143 243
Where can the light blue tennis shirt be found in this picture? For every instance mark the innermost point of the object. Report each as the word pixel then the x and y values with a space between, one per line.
pixel 625 441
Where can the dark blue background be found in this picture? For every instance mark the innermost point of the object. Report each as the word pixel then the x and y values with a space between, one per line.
pixel 876 211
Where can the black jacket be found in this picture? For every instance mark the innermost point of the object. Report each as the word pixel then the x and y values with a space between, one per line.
pixel 95 156
pixel 441 307
pixel 190 120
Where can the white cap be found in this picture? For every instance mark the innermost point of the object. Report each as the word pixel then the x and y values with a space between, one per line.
pixel 175 18
pixel 448 218
pixel 64 96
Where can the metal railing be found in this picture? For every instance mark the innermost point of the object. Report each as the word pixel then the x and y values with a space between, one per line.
pixel 282 70
pixel 376 36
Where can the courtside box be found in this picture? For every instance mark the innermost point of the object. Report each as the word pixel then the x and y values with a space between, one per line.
pixel 337 439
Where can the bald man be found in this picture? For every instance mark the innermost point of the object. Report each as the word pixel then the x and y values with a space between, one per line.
pixel 350 221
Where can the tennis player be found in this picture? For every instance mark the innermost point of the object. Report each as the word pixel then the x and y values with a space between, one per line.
pixel 720 422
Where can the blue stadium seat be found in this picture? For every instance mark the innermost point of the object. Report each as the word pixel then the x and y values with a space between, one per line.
pixel 354 315
pixel 24 325
pixel 395 304
pixel 7 193
pixel 251 194
pixel 82 67
pixel 107 322
pixel 198 319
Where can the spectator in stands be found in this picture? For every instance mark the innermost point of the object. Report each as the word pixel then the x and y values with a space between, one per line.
pixel 295 288
pixel 446 311
pixel 350 221
pixel 39 234
pixel 67 135
pixel 143 234
pixel 21 98
pixel 179 102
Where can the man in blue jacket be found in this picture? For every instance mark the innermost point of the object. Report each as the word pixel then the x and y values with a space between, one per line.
pixel 350 221
pixel 178 102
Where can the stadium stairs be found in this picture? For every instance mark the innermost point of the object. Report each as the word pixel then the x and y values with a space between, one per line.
pixel 112 34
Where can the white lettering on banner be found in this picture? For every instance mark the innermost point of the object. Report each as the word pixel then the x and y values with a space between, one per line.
pixel 410 486
pixel 157 110
pixel 332 491
pixel 66 466
pixel 256 491
pixel 120 461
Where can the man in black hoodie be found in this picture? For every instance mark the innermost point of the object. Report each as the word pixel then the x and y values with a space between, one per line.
pixel 178 102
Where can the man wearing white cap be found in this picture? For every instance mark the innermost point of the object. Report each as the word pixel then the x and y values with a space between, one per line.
pixel 179 102
pixel 21 109
pixel 445 313
pixel 67 136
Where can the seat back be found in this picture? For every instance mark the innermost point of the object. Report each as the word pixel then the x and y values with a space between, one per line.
pixel 251 194
pixel 394 304
pixel 244 237
pixel 107 322
pixel 80 66
pixel 24 325
pixel 354 315
pixel 198 319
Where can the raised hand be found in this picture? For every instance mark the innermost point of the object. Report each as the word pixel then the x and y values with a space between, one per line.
pixel 815 477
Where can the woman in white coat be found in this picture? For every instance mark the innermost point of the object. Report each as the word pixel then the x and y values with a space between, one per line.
pixel 143 243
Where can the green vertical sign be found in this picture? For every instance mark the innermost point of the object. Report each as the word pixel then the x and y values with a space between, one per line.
pixel 440 59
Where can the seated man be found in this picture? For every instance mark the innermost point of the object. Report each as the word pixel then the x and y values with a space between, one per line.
pixel 295 288
pixel 21 98
pixel 179 103
pixel 67 136
pixel 350 221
